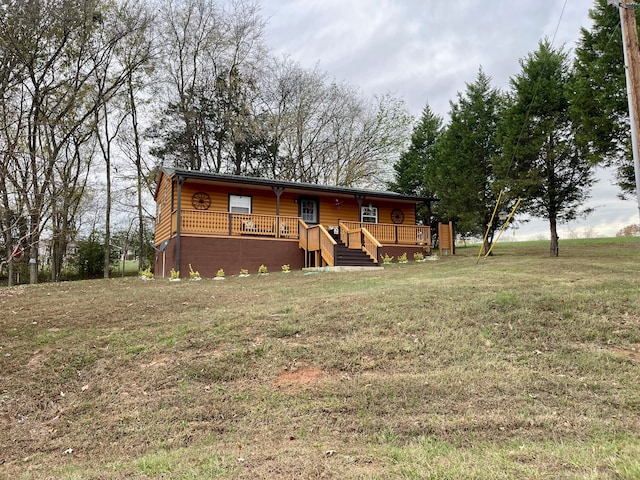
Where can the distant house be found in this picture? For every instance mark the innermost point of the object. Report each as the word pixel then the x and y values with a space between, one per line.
pixel 212 221
pixel 45 251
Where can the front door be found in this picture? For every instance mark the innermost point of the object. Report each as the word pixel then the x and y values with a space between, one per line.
pixel 309 210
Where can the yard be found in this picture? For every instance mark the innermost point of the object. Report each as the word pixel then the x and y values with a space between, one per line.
pixel 520 366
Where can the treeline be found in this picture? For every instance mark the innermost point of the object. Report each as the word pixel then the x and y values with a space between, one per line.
pixel 88 88
pixel 96 94
pixel 539 141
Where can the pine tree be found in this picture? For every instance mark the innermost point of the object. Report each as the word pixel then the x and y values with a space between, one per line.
pixel 598 95
pixel 543 162
pixel 410 168
pixel 462 177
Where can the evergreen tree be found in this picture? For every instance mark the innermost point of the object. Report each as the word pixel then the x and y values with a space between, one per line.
pixel 462 176
pixel 410 168
pixel 599 95
pixel 543 162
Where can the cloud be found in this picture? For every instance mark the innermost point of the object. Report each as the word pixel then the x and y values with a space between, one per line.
pixel 422 51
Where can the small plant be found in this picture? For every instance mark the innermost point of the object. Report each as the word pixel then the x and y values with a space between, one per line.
pixel 174 276
pixel 262 270
pixel 220 273
pixel 386 259
pixel 146 274
pixel 194 274
pixel 285 268
pixel 418 257
pixel 403 258
pixel 244 272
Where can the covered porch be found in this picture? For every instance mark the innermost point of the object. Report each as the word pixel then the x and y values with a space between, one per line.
pixel 319 242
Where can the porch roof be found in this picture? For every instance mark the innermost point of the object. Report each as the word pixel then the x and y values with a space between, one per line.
pixel 307 187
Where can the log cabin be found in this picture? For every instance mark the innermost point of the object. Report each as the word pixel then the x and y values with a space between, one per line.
pixel 214 221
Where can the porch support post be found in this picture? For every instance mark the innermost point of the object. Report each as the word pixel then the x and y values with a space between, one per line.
pixel 278 191
pixel 181 180
pixel 307 255
pixel 360 200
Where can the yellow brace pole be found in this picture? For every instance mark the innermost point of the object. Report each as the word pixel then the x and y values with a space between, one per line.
pixel 486 234
pixel 504 226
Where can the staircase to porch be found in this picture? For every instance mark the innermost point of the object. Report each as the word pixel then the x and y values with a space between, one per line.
pixel 351 257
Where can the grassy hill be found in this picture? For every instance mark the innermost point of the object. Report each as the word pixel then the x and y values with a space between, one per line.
pixel 520 366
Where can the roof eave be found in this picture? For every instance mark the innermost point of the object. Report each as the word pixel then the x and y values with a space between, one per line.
pixel 294 185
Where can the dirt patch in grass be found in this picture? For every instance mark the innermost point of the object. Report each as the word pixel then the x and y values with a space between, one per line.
pixel 630 353
pixel 296 378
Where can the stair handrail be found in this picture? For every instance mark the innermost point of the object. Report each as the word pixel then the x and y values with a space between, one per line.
pixel 370 245
pixel 352 238
pixel 327 246
pixel 303 238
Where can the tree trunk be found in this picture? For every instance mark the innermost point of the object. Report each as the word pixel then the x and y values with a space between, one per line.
pixel 488 236
pixel 56 244
pixel 138 161
pixel 10 271
pixel 107 221
pixel 105 146
pixel 554 251
pixel 33 262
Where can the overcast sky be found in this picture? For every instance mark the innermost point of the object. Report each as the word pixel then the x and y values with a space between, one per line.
pixel 426 51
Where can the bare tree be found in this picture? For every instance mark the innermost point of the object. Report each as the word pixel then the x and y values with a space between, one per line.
pixel 319 131
pixel 64 54
pixel 67 191
pixel 123 49
pixel 210 55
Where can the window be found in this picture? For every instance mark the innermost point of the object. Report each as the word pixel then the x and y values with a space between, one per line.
pixel 239 204
pixel 369 214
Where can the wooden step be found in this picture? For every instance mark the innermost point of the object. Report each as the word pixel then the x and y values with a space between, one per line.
pixel 351 257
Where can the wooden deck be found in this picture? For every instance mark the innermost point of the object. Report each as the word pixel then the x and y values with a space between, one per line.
pixel 315 240
pixel 196 222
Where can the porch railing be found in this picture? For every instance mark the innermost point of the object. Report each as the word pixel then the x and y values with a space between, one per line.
pixel 316 240
pixel 231 223
pixel 390 234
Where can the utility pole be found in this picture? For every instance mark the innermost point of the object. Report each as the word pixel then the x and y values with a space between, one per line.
pixel 632 73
